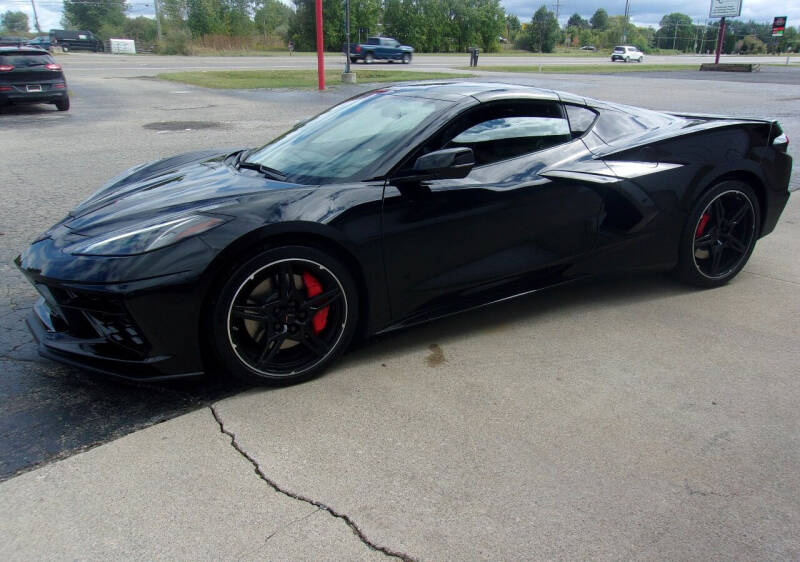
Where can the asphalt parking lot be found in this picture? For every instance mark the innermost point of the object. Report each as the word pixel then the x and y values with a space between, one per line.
pixel 620 418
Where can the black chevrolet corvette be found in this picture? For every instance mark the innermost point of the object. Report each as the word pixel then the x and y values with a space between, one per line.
pixel 395 207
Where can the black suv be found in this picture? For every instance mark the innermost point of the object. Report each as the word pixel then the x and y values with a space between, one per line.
pixel 75 39
pixel 31 75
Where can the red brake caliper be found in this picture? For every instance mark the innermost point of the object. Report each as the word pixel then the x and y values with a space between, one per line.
pixel 701 226
pixel 314 288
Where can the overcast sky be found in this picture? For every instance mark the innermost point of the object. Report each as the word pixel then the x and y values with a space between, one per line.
pixel 643 12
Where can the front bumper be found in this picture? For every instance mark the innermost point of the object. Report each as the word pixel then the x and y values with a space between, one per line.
pixel 148 329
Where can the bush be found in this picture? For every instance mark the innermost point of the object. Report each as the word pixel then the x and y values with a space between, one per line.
pixel 175 42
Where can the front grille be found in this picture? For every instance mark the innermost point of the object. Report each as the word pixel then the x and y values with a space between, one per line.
pixel 91 315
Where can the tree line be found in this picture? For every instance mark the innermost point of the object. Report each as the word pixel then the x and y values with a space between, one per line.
pixel 427 25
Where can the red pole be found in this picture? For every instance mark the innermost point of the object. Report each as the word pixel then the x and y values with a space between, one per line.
pixel 720 39
pixel 320 58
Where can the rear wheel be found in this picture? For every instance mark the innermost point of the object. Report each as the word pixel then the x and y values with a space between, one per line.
pixel 284 315
pixel 62 104
pixel 719 235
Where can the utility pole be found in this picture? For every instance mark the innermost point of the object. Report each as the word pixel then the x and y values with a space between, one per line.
pixel 675 36
pixel 36 17
pixel 720 39
pixel 158 20
pixel 347 36
pixel 625 28
pixel 557 6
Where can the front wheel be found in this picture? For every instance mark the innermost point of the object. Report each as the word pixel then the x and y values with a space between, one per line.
pixel 719 235
pixel 284 315
pixel 406 58
pixel 369 58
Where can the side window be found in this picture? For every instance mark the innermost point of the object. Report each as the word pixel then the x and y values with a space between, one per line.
pixel 507 130
pixel 581 119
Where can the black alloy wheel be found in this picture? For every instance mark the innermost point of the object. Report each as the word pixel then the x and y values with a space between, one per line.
pixel 720 235
pixel 284 315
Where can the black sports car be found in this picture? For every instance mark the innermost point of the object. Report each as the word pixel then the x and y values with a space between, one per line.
pixel 395 207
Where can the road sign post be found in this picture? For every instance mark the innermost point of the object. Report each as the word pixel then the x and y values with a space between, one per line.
pixel 723 9
pixel 320 48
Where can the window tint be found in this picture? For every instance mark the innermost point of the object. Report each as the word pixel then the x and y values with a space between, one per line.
pixel 22 60
pixel 507 130
pixel 580 119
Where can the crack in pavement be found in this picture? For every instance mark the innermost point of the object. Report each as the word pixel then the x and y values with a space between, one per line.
pixel 274 485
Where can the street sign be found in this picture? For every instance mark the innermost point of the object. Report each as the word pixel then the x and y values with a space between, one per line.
pixel 725 9
pixel 778 25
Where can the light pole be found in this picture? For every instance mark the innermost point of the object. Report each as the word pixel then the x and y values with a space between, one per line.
pixel 347 36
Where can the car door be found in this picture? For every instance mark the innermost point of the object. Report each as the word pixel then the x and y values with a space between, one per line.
pixel 501 230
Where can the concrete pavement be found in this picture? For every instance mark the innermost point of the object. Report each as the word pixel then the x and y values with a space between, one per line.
pixel 616 419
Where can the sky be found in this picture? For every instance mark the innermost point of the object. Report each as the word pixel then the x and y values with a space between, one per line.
pixel 643 12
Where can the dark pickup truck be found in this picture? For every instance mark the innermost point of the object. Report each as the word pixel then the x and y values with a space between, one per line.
pixel 381 48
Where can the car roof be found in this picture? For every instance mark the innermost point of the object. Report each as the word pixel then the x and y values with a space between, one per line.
pixel 481 91
pixel 22 50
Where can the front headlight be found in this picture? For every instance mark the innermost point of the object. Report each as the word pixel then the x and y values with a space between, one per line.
pixel 146 237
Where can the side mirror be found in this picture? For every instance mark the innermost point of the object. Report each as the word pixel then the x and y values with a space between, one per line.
pixel 449 163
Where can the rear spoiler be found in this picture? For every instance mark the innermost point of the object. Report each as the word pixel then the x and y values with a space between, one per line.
pixel 714 117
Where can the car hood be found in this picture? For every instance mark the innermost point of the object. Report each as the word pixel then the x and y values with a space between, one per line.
pixel 197 180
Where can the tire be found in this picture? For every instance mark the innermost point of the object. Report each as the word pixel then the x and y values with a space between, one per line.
pixel 268 330
pixel 627 59
pixel 353 60
pixel 369 58
pixel 63 104
pixel 406 58
pixel 641 59
pixel 64 49
pixel 720 235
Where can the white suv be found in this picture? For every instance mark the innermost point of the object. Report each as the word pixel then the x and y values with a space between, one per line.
pixel 627 53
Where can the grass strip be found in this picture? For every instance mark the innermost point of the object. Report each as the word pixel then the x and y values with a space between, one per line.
pixel 251 79
pixel 587 68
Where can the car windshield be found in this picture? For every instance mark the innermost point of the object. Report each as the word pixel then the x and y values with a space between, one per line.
pixel 342 143
pixel 25 59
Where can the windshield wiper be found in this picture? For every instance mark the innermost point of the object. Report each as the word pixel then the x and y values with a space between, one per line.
pixel 268 172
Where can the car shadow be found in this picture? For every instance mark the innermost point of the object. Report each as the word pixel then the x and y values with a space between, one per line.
pixel 609 291
pixel 28 109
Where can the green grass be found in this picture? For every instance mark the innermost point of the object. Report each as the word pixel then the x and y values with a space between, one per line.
pixel 588 69
pixel 250 79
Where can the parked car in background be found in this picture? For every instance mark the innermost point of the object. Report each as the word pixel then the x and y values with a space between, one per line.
pixel 30 75
pixel 381 48
pixel 626 53
pixel 13 41
pixel 588 48
pixel 76 39
pixel 42 41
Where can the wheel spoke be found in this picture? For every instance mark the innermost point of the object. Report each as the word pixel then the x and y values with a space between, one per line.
pixel 704 241
pixel 716 258
pixel 255 313
pixel 271 348
pixel 285 282
pixel 323 299
pixel 719 212
pixel 735 244
pixel 739 215
pixel 314 343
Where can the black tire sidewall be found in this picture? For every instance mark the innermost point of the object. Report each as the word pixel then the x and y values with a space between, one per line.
pixel 217 323
pixel 686 268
